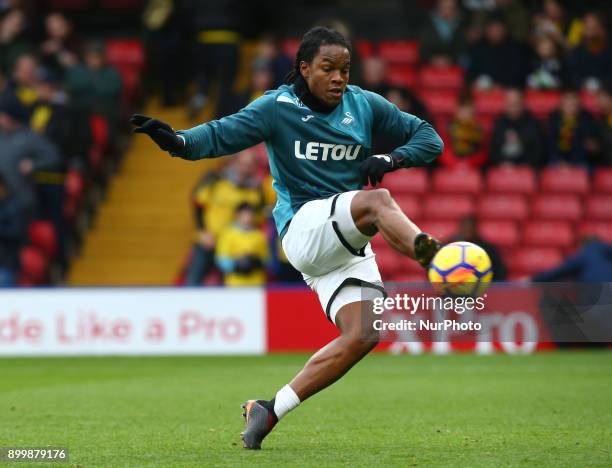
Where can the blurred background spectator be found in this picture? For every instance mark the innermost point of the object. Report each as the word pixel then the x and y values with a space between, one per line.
pixel 496 59
pixel 442 36
pixel 242 251
pixel 573 138
pixel 517 137
pixel 547 69
pixel 591 61
pixel 215 201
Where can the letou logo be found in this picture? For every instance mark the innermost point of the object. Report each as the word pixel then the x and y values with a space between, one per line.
pixel 321 151
pixel 307 118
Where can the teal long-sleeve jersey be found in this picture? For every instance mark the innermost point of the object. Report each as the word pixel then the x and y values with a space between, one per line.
pixel 314 155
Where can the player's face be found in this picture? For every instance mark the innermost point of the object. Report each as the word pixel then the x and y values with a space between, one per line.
pixel 328 73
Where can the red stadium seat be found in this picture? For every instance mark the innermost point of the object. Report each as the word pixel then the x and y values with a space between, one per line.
pixel 517 179
pixel 556 207
pixel 387 262
pixel 501 233
pixel 542 103
pixel 441 77
pixel 414 180
pixel 402 52
pixel 602 181
pixel 34 267
pixel 440 103
pixel 291 46
pixel 548 234
pixel 410 205
pixel 589 102
pixel 441 229
pixel 408 266
pixel 489 102
pixel 503 207
pixel 125 53
pixel 599 208
pixel 420 277
pixel 459 180
pixel 442 206
pixel 43 236
pixel 564 179
pixel 401 75
pixel 364 47
pixel 526 261
pixel 601 229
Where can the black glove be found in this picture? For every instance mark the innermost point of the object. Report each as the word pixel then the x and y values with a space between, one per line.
pixel 247 264
pixel 160 132
pixel 376 166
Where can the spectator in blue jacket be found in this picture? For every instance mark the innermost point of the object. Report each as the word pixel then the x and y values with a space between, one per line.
pixel 591 263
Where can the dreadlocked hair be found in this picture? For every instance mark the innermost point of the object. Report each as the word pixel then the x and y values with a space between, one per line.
pixel 309 47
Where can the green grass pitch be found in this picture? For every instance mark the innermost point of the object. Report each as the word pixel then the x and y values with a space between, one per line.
pixel 548 409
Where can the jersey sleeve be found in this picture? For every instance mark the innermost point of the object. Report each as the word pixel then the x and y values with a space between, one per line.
pixel 422 144
pixel 247 127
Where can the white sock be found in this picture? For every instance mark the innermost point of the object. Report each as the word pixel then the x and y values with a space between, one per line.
pixel 285 401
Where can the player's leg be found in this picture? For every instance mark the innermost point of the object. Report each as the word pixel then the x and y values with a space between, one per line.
pixel 357 338
pixel 375 211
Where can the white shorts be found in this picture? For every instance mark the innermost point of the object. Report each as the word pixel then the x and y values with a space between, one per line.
pixel 335 258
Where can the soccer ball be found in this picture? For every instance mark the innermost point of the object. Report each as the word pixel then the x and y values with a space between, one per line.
pixel 461 269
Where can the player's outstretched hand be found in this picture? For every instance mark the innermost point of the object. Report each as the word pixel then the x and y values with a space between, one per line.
pixel 160 132
pixel 376 166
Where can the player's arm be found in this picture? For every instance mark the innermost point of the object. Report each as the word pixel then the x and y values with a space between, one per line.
pixel 419 144
pixel 228 135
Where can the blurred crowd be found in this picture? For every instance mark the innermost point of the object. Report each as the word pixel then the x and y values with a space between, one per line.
pixel 58 96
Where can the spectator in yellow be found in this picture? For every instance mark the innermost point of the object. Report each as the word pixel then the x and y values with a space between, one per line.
pixel 215 201
pixel 242 250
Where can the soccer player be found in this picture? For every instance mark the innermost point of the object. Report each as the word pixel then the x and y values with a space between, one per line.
pixel 318 132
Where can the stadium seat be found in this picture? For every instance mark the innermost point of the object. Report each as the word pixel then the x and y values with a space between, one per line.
pixel 517 179
pixel 503 207
pixel 459 180
pixel 441 229
pixel 387 262
pixel 399 52
pixel 443 206
pixel 542 103
pixel 526 261
pixel 43 236
pixel 401 75
pixel 556 207
pixel 548 234
pixel 564 179
pixel 489 102
pixel 291 46
pixel 599 208
pixel 100 137
pixel 365 48
pixel 602 180
pixel 410 205
pixel 34 267
pixel 440 103
pixel 589 102
pixel 408 266
pixel 601 229
pixel 414 180
pixel 441 77
pixel 74 187
pixel 126 52
pixel 501 233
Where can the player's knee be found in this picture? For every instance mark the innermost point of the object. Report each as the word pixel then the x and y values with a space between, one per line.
pixel 379 199
pixel 363 341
